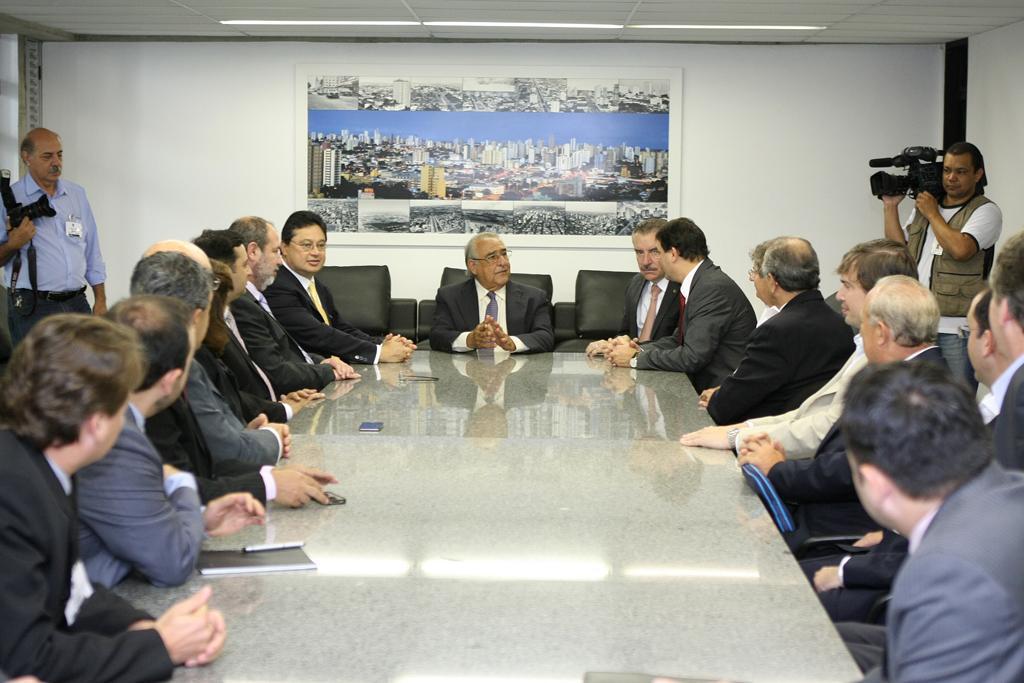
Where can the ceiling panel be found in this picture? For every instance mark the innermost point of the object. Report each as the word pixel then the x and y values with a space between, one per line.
pixel 884 21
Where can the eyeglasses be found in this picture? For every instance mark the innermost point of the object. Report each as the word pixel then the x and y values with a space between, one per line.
pixel 493 257
pixel 310 246
pixel 214 282
pixel 963 331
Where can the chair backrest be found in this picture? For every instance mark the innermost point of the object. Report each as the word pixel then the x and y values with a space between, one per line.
pixel 770 497
pixel 5 335
pixel 362 295
pixel 599 301
pixel 450 276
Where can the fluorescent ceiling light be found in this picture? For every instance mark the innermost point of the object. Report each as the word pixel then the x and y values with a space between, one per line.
pixel 641 572
pixel 338 565
pixel 481 679
pixel 728 27
pixel 519 24
pixel 290 22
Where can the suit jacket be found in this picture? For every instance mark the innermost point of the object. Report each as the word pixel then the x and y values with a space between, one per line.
pixel 667 319
pixel 528 315
pixel 1009 430
pixel 226 435
pixel 294 309
pixel 788 358
pixel 128 522
pixel 274 350
pixel 718 320
pixel 957 609
pixel 243 404
pixel 801 431
pixel 877 568
pixel 179 440
pixel 822 487
pixel 39 546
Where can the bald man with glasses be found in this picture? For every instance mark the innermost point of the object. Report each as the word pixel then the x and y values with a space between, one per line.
pixel 488 311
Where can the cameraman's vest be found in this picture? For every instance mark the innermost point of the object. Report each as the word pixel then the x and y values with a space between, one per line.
pixel 954 283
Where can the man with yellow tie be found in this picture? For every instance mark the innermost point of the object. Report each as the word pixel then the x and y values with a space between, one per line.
pixel 306 308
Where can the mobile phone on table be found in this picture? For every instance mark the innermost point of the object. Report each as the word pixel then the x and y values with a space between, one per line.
pixel 371 426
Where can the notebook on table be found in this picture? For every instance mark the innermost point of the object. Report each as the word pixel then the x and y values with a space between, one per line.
pixel 213 562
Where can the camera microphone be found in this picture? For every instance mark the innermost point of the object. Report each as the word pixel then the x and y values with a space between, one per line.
pixel 883 162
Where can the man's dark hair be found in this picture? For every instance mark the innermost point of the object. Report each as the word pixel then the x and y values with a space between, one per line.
pixel 648 226
pixel 916 424
pixel 162 325
pixel 169 273
pixel 977 160
pixel 981 311
pixel 219 245
pixel 684 235
pixel 251 229
pixel 1007 279
pixel 301 219
pixel 793 263
pixel 876 259
pixel 69 367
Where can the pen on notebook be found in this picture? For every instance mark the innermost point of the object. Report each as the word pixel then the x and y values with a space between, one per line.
pixel 271 546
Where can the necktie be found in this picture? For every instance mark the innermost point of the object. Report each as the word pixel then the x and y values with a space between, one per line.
pixel 233 326
pixel 652 313
pixel 492 306
pixel 316 302
pixel 682 317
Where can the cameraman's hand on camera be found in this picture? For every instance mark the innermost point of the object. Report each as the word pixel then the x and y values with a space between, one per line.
pixel 21 235
pixel 927 206
pixel 892 200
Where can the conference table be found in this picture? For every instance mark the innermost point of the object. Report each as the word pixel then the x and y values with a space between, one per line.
pixel 518 518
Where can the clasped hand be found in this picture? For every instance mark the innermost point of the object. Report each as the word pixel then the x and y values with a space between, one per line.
pixel 488 335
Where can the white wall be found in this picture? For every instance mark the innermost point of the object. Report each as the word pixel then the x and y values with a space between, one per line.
pixel 9 103
pixel 995 116
pixel 169 138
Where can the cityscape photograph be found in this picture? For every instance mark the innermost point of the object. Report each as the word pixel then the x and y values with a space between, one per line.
pixel 561 156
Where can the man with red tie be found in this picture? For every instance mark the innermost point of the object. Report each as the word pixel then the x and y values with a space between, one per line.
pixel 715 317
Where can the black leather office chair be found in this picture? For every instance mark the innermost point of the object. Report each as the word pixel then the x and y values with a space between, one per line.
pixel 363 297
pixel 450 276
pixel 597 311
pixel 5 335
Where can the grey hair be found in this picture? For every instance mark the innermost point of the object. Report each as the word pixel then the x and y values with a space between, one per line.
pixel 793 263
pixel 251 229
pixel 169 273
pixel 471 244
pixel 906 307
pixel 757 255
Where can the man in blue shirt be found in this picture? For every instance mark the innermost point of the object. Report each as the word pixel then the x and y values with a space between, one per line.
pixel 67 248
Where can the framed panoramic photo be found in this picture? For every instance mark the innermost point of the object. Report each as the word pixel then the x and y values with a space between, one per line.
pixel 427 154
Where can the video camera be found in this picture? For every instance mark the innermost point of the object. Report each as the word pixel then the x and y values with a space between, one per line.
pixel 924 173
pixel 18 212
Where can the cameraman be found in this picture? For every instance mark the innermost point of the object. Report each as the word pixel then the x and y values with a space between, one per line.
pixel 67 248
pixel 955 255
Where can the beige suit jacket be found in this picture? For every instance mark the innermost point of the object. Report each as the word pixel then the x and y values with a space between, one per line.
pixel 800 431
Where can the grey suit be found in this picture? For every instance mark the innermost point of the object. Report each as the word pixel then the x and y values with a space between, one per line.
pixel 718 320
pixel 667 318
pixel 1009 430
pixel 126 521
pixel 957 610
pixel 528 315
pixel 226 435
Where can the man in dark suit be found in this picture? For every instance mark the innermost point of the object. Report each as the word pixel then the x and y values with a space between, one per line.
pixel 488 310
pixel 62 405
pixel 136 513
pixel 795 352
pixel 922 465
pixel 1006 315
pixel 289 366
pixel 306 308
pixel 646 315
pixel 716 318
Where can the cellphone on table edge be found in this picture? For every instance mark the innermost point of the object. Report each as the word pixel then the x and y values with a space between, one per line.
pixel 371 426
pixel 333 498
